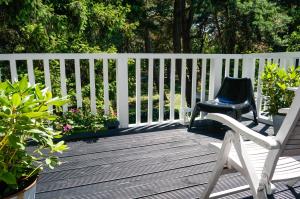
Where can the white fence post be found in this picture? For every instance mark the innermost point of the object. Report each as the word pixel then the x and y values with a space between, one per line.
pixel 215 77
pixel 122 91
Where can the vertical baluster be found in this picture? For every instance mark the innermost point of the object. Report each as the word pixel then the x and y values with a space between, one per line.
pixel 161 89
pixel 183 87
pixel 47 74
pixel 227 66
pixel 63 81
pixel 194 83
pixel 105 86
pixel 172 89
pixel 138 91
pixel 203 81
pixel 150 90
pixel 259 86
pixel 236 68
pixel 78 83
pixel 13 70
pixel 92 85
pixel 47 78
pixel 30 71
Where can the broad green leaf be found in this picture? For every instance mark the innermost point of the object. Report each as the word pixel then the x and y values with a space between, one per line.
pixel 8 178
pixel 4 100
pixel 16 99
pixel 36 114
pixel 23 84
pixel 3 86
pixel 38 92
pixel 58 101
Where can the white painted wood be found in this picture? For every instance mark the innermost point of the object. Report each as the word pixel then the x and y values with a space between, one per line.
pixel 203 79
pixel 259 86
pixel 150 91
pixel 260 161
pixel 30 71
pixel 47 78
pixel 249 171
pixel 236 68
pixel 221 161
pixel 105 86
pixel 215 76
pixel 24 56
pixel 194 83
pixel 138 91
pixel 47 74
pixel 92 86
pixel 172 90
pixel 13 70
pixel 283 63
pixel 63 82
pixel 161 89
pixel 284 110
pixel 266 142
pixel 227 67
pixel 78 83
pixel 122 91
pixel 285 56
pixel 248 69
pixel 183 87
pixel 229 192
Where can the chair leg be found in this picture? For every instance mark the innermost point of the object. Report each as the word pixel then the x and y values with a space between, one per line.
pixel 255 117
pixel 194 114
pixel 220 163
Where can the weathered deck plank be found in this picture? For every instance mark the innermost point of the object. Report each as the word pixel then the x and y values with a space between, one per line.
pixel 172 163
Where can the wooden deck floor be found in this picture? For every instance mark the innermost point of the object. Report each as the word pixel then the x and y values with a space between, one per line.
pixel 149 162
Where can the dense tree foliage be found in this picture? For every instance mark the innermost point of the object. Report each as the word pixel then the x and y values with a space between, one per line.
pixel 230 26
pixel 151 26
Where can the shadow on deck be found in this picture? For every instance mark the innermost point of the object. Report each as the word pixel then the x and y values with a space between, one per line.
pixel 162 161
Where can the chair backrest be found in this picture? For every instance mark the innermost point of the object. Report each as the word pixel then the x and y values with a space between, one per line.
pixel 235 90
pixel 289 132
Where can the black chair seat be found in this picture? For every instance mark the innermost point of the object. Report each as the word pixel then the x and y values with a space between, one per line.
pixel 215 106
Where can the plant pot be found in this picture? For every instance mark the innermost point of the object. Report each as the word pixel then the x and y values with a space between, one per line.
pixel 277 122
pixel 112 124
pixel 27 193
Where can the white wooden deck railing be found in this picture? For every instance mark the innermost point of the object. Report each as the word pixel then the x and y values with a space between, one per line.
pixel 212 66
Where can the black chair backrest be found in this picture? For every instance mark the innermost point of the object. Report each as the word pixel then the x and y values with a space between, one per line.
pixel 235 90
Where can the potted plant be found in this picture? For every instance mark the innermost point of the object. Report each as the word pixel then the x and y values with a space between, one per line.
pixel 275 84
pixel 24 117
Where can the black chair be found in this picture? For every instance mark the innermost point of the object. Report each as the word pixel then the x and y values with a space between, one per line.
pixel 234 98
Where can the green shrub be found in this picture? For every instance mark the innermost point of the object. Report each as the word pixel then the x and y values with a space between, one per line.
pixel 77 120
pixel 25 116
pixel 275 83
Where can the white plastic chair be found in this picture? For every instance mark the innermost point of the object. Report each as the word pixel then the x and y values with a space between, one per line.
pixel 262 160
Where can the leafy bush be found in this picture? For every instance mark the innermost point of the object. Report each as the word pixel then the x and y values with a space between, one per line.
pixel 78 120
pixel 24 116
pixel 275 83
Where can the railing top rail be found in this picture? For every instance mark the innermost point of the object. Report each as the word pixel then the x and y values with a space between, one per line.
pixel 21 56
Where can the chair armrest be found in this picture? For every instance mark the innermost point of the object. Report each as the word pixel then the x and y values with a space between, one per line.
pixel 284 110
pixel 237 127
